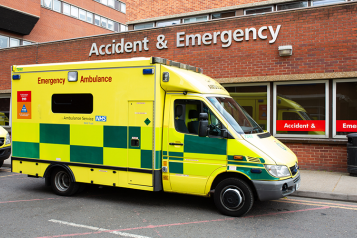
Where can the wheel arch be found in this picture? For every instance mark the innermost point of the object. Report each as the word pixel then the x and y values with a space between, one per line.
pixel 227 174
pixel 52 167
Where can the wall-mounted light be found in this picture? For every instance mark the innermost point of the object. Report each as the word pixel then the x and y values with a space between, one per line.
pixel 285 50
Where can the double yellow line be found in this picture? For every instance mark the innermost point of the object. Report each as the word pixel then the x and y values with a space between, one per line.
pixel 321 204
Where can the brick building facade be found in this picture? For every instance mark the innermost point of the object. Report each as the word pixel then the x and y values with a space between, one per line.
pixel 49 20
pixel 311 86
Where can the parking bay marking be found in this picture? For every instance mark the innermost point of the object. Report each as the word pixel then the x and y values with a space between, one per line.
pixel 185 223
pixel 98 229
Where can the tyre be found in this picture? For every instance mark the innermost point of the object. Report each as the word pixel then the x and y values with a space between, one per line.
pixel 1 163
pixel 61 183
pixel 233 197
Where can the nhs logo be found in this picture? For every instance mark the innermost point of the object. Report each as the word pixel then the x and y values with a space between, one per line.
pixel 101 118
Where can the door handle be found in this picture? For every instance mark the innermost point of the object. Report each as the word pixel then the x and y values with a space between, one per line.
pixel 175 143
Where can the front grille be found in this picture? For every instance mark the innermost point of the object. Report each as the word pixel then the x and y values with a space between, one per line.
pixel 2 141
pixel 293 170
pixel 296 179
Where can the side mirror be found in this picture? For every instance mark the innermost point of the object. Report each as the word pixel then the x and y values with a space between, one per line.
pixel 226 134
pixel 203 125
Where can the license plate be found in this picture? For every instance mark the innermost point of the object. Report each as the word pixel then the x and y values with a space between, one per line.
pixel 297 186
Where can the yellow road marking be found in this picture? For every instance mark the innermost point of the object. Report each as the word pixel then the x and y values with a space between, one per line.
pixel 319 204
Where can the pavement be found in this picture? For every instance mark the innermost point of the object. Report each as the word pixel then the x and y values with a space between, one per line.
pixel 317 184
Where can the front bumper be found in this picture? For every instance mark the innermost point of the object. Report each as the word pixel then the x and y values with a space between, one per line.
pixel 5 153
pixel 269 190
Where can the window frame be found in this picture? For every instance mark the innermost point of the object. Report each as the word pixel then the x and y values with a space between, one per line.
pixel 171 20
pixel 14 39
pixel 327 115
pixel 53 6
pixel 8 42
pixel 268 97
pixel 312 3
pixel 69 7
pixel 257 8
pixel 289 3
pixel 334 110
pixel 207 19
pixel 153 25
pixel 79 14
pixel 211 15
pixel 8 95
pixel 92 17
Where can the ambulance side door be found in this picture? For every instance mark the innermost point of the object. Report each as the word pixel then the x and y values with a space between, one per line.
pixel 192 159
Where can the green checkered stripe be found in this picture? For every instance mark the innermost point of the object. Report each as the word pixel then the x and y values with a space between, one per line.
pixel 113 137
pixel 196 145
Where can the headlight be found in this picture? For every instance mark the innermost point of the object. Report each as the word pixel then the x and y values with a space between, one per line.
pixel 278 170
pixel 7 141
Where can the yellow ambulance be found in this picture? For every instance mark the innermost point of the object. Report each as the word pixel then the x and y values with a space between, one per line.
pixel 144 123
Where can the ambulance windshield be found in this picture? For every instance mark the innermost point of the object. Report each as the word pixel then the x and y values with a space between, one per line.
pixel 239 119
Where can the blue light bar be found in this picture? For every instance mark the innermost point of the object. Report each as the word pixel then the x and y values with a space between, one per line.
pixel 148 71
pixel 16 76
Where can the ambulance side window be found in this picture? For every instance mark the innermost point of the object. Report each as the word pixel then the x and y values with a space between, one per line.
pixel 186 117
pixel 80 103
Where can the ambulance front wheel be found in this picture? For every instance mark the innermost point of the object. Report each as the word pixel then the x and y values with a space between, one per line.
pixel 233 197
pixel 61 183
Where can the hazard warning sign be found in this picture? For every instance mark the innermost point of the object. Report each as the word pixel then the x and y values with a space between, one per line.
pixel 24 104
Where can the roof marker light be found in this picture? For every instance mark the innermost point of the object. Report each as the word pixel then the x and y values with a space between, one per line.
pixel 72 76
pixel 148 71
pixel 16 76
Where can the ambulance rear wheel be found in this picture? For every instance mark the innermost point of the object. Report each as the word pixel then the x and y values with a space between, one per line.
pixel 61 183
pixel 233 197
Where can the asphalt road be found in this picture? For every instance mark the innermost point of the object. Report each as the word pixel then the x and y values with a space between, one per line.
pixel 29 209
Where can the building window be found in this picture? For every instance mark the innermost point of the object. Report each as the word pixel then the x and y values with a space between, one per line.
pixel 117 5
pixel 4 110
pixel 82 14
pixel 223 15
pixel 47 3
pixel 345 107
pixel 103 22
pixel 123 27
pixel 4 42
pixel 168 23
pixel 26 43
pixel 301 109
pixel 66 9
pixel 57 5
pixel 74 11
pixel 111 3
pixel 14 42
pixel 255 99
pixel 291 5
pixel 195 19
pixel 72 103
pixel 325 2
pixel 123 7
pixel 90 17
pixel 260 10
pixel 110 25
pixel 143 26
pixel 97 20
